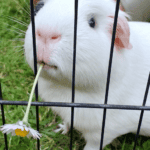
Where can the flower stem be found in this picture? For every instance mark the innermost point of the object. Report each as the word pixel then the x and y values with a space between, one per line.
pixel 25 119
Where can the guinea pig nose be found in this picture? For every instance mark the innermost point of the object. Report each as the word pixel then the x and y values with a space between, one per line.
pixel 55 37
pixel 46 39
pixel 52 36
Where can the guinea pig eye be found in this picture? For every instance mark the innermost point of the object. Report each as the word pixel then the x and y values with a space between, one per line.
pixel 92 22
pixel 38 7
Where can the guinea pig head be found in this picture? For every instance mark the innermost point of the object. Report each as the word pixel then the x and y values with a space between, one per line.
pixel 54 26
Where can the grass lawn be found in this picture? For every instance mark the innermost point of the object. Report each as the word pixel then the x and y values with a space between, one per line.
pixel 17 79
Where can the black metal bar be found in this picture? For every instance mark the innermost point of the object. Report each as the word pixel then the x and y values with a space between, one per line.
pixel 3 118
pixel 35 67
pixel 73 72
pixel 109 72
pixel 142 112
pixel 80 105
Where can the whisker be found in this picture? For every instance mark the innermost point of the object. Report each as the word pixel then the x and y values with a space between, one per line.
pixel 16 28
pixel 17 39
pixel 28 6
pixel 16 46
pixel 15 31
pixel 16 20
pixel 26 11
pixel 19 50
pixel 20 34
pixel 22 7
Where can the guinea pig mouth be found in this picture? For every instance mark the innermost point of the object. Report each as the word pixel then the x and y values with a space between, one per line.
pixel 46 66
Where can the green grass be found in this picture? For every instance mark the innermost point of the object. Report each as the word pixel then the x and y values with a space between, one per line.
pixel 17 79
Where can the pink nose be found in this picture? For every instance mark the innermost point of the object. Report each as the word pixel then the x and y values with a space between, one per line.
pixel 46 40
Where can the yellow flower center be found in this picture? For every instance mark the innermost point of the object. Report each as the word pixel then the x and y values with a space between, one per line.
pixel 21 133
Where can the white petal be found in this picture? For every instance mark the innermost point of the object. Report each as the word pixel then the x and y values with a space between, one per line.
pixel 7 131
pixel 28 135
pixel 15 127
pixel 20 123
pixel 6 126
pixel 18 127
pixel 13 133
pixel 26 128
pixel 32 133
pixel 35 133
pixel 10 128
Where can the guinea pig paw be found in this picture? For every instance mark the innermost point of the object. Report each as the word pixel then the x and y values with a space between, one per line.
pixel 62 127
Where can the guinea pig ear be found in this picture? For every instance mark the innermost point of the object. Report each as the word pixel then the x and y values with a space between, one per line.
pixel 121 7
pixel 122 33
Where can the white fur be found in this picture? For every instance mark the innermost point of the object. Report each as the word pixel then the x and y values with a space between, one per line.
pixel 138 9
pixel 129 73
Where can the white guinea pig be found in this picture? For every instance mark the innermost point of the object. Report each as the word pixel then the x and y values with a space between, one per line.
pixel 139 10
pixel 130 67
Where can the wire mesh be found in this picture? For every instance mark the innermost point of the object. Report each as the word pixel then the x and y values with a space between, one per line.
pixel 104 106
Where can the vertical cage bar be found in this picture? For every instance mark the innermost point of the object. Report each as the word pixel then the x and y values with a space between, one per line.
pixel 109 71
pixel 35 66
pixel 142 112
pixel 73 72
pixel 3 117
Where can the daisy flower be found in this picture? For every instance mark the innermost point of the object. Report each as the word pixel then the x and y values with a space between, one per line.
pixel 22 128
